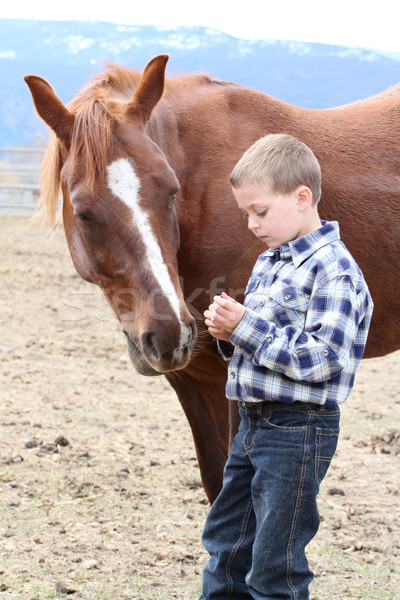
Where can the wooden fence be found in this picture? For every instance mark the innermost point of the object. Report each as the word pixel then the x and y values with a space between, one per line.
pixel 19 178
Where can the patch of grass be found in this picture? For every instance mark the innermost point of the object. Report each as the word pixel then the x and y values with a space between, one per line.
pixel 347 574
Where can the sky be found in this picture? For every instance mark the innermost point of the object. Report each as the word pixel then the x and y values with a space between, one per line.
pixel 343 22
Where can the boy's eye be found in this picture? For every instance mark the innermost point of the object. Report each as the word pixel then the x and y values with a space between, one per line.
pixel 261 214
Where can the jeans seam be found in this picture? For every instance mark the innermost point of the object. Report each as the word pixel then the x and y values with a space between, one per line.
pixel 318 457
pixel 289 555
pixel 248 447
pixel 236 547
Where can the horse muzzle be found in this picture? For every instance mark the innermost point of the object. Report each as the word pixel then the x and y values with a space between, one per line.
pixel 159 352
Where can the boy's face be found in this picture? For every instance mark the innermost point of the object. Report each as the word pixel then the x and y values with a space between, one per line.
pixel 277 218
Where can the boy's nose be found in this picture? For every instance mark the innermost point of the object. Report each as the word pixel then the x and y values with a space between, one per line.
pixel 252 224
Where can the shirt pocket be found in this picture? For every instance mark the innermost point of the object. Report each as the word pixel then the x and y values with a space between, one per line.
pixel 289 305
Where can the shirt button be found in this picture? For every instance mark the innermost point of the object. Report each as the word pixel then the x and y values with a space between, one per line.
pixel 233 374
pixel 326 352
pixel 269 338
pixel 287 297
pixel 262 302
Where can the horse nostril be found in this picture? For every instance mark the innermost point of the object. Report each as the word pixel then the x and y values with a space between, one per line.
pixel 147 341
pixel 169 355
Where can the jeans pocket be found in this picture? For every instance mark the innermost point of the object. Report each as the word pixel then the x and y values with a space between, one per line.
pixel 325 446
pixel 286 421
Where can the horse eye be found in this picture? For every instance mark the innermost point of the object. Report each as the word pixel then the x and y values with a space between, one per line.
pixel 84 217
pixel 132 159
pixel 174 193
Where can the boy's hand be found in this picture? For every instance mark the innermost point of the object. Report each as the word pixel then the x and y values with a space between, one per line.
pixel 223 315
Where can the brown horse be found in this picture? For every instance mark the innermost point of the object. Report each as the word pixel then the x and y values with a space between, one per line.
pixel 144 164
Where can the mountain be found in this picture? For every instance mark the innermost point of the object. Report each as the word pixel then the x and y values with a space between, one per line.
pixel 67 53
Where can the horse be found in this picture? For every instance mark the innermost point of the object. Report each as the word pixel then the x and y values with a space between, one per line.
pixel 143 164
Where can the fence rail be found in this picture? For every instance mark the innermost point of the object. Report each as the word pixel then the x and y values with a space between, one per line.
pixel 19 178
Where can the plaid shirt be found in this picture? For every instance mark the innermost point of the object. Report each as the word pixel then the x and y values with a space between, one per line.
pixel 303 333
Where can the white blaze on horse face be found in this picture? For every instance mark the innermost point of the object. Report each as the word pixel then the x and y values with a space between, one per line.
pixel 125 184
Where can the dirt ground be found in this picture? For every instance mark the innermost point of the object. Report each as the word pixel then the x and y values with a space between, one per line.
pixel 99 486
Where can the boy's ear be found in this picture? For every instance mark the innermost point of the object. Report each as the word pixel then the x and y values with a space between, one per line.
pixel 304 198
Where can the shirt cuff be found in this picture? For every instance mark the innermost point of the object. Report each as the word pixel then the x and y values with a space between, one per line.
pixel 251 332
pixel 225 349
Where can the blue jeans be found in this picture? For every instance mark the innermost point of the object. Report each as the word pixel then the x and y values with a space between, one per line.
pixel 266 513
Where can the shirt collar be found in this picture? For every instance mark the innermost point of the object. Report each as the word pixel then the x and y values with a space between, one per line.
pixel 302 248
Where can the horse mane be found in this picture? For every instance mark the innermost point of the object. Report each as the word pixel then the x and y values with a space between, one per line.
pixel 96 108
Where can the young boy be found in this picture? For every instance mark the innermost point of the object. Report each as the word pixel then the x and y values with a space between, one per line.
pixel 294 347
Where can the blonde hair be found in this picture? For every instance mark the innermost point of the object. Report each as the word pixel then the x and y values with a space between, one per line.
pixel 281 163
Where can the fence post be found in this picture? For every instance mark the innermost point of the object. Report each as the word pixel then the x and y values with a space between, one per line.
pixel 19 178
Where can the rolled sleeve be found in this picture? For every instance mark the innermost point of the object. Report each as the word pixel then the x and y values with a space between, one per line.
pixel 252 332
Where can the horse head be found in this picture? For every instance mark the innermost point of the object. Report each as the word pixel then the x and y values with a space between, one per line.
pixel 118 209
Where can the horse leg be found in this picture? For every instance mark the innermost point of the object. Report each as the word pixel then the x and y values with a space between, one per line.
pixel 207 411
pixel 234 420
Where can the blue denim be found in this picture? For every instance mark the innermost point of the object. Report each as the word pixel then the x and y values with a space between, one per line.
pixel 266 513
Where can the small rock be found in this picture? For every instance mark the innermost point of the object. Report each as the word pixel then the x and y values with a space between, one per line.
pixel 61 441
pixel 3 587
pixel 61 588
pixel 337 524
pixel 84 455
pixel 49 448
pixel 344 545
pixel 9 533
pixel 33 443
pixel 334 491
pixel 123 473
pixel 358 547
pixel 360 444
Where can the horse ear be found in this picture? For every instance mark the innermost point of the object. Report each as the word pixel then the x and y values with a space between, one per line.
pixel 50 108
pixel 150 88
